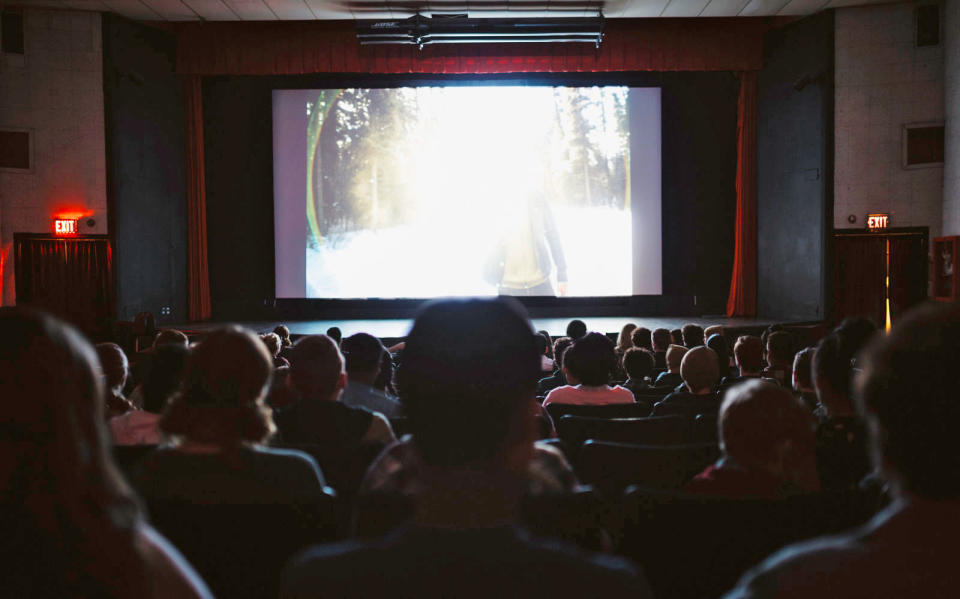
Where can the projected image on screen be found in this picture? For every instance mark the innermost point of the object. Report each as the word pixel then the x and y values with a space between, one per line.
pixel 454 191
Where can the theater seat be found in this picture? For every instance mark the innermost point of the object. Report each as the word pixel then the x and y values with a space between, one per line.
pixel 240 550
pixel 129 457
pixel 695 546
pixel 665 430
pixel 611 466
pixel 622 410
pixel 705 429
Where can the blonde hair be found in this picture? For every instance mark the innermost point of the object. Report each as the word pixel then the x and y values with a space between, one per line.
pixel 625 340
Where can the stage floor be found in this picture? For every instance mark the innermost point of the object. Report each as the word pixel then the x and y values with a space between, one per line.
pixel 399 327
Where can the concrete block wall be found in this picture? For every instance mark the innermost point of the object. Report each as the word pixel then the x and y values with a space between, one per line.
pixel 56 91
pixel 882 83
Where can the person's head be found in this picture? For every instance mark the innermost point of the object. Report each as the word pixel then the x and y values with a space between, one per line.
pixel 170 337
pixel 164 377
pixel 560 347
pixel 384 379
pixel 718 343
pixel 780 349
pixel 831 373
pixel 661 339
pixel 549 341
pixel 543 346
pixel 748 354
pixel 692 335
pixel 774 328
pixel 625 339
pixel 590 360
pixel 714 329
pixel 856 332
pixel 576 329
pixel 317 368
pixel 283 332
pixel 674 357
pixel 224 383
pixel 363 354
pixel 699 370
pixel 335 334
pixel 60 487
pixel 802 366
pixel 641 338
pixel 471 405
pixel 763 426
pixel 114 365
pixel 638 363
pixel 907 393
pixel 273 344
pixel 676 336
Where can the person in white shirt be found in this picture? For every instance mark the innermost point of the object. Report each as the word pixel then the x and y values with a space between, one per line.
pixel 162 380
pixel 588 365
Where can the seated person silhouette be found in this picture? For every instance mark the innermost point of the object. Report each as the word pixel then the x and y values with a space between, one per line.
pixel 471 411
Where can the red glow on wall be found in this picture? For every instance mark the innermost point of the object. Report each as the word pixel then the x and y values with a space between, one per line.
pixel 65 227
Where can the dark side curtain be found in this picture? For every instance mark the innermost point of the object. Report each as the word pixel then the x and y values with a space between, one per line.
pixel 70 278
pixel 198 275
pixel 742 300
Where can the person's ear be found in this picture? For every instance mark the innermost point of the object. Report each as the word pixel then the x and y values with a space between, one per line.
pixel 341 382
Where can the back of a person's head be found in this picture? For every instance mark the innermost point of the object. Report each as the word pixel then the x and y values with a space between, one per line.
pixel 283 331
pixel 170 337
pixel 718 343
pixel 780 348
pixel 700 369
pixel 560 347
pixel 272 342
pixel 714 329
pixel 576 329
pixel 224 383
pixel 757 418
pixel 802 368
pixel 674 356
pixel 315 366
pixel 625 339
pixel 164 377
pixel 638 362
pixel 461 398
pixel 335 334
pixel 676 336
pixel 641 338
pixel 748 352
pixel 362 352
pixel 692 335
pixel 661 339
pixel 770 330
pixel 856 333
pixel 61 490
pixel 114 364
pixel 548 339
pixel 591 359
pixel 831 367
pixel 542 344
pixel 908 392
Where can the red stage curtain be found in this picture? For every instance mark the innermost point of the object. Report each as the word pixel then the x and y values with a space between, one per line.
pixel 198 277
pixel 743 283
pixel 298 47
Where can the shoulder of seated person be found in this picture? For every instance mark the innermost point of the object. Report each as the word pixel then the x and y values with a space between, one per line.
pixel 169 572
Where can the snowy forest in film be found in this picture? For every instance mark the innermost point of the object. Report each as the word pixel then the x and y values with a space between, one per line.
pixel 401 175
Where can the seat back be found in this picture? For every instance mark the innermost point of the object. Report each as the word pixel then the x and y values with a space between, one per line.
pixel 611 466
pixel 664 430
pixel 129 457
pixel 240 550
pixel 705 429
pixel 695 546
pixel 622 410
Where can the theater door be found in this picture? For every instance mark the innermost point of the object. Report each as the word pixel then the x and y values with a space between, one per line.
pixel 68 277
pixel 879 275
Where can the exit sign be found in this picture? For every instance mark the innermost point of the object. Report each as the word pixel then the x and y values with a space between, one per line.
pixel 64 227
pixel 878 222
